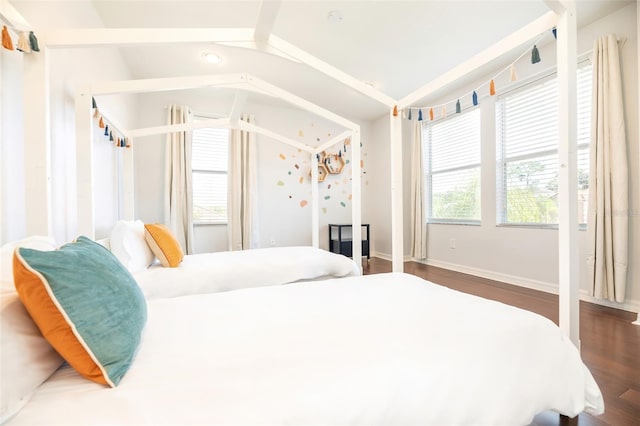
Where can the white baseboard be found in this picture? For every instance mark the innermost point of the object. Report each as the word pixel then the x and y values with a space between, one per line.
pixel 388 257
pixel 630 305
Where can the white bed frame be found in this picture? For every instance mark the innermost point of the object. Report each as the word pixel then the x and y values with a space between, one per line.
pixel 562 15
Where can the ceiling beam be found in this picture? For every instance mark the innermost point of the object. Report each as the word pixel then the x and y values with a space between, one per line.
pixel 164 84
pixel 524 35
pixel 559 6
pixel 266 19
pixel 11 17
pixel 239 100
pixel 171 128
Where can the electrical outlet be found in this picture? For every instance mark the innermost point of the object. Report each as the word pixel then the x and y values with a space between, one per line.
pixel 452 243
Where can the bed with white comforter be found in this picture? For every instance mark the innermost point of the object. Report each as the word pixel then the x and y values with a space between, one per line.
pixel 385 349
pixel 232 270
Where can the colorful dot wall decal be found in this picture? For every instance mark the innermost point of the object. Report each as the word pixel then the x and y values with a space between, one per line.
pixel 300 133
pixel 303 203
pixel 326 197
pixel 296 166
pixel 324 210
pixel 289 172
pixel 343 204
pixel 301 179
pixel 282 156
pixel 280 183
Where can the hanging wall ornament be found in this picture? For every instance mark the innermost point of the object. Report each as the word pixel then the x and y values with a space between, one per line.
pixel 420 115
pixel 431 114
pixel 554 32
pixel 110 136
pixel 101 123
pixel 458 109
pixel 6 38
pixel 409 115
pixel 96 113
pixel 395 110
pixel 474 97
pixel 535 55
pixel 492 88
pixel 23 43
pixel 106 130
pixel 93 103
pixel 34 42
pixel 512 73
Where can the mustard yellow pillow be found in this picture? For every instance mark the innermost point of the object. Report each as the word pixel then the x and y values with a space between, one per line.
pixel 163 244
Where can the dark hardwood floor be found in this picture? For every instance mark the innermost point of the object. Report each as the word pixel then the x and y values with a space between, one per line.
pixel 610 344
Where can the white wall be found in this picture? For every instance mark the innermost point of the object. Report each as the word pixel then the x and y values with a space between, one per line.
pixel 284 190
pixel 521 255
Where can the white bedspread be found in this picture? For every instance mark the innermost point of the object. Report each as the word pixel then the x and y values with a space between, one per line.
pixel 232 270
pixel 388 349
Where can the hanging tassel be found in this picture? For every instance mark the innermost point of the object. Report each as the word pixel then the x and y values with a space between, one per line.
pixel 475 98
pixel 96 113
pixel 431 114
pixel 6 39
pixel 443 114
pixel 340 154
pixel 127 143
pixel 93 103
pixel 23 43
pixel 101 123
pixel 110 136
pixel 106 130
pixel 395 110
pixel 409 116
pixel 34 42
pixel 458 109
pixel 492 88
pixel 535 55
pixel 555 34
pixel 420 115
pixel 513 76
pixel 118 141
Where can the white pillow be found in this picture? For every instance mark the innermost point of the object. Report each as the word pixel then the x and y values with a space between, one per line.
pixel 6 258
pixel 27 358
pixel 129 246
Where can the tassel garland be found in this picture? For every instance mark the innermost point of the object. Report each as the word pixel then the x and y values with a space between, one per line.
pixel 492 88
pixel 475 98
pixel 93 103
pixel 110 136
pixel 535 55
pixel 419 115
pixel 23 43
pixel 554 32
pixel 101 123
pixel 458 109
pixel 443 114
pixel 34 42
pixel 6 38
pixel 431 114
pixel 409 115
pixel 512 73
pixel 106 130
pixel 395 110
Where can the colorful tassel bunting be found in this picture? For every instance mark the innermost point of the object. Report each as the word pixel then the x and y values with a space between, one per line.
pixel 110 136
pixel 431 114
pixel 458 109
pixel 23 43
pixel 34 42
pixel 492 88
pixel 6 38
pixel 127 143
pixel 101 123
pixel 118 141
pixel 96 113
pixel 535 55
pixel 395 110
pixel 554 32
pixel 475 98
pixel 409 115
pixel 106 130
pixel 512 73
pixel 443 114
pixel 419 115
pixel 93 103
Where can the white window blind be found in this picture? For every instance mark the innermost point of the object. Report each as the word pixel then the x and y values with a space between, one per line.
pixel 209 165
pixel 452 168
pixel 527 140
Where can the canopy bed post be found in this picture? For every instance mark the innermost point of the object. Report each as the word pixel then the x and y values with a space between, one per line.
pixel 397 232
pixel 37 144
pixel 356 199
pixel 315 224
pixel 568 247
pixel 84 166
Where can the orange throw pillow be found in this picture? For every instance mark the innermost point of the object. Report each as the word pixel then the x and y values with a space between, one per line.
pixel 163 244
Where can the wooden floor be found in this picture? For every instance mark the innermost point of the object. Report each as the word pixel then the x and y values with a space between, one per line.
pixel 610 343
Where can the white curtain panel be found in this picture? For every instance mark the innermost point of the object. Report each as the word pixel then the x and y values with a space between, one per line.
pixel 608 177
pixel 243 182
pixel 178 205
pixel 418 214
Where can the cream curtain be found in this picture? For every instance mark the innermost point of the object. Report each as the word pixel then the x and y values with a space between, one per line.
pixel 418 214
pixel 608 177
pixel 242 184
pixel 177 196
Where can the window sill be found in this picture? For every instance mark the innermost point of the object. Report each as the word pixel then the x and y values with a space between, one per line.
pixel 453 222
pixel 209 223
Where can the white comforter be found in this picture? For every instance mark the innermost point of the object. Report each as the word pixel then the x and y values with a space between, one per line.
pixel 388 349
pixel 232 270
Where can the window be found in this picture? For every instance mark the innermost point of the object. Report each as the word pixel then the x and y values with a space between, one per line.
pixel 209 165
pixel 452 168
pixel 527 160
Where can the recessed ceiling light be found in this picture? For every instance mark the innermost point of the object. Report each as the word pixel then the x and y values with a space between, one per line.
pixel 210 58
pixel 335 17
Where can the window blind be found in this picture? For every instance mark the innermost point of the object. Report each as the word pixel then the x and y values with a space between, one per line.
pixel 452 168
pixel 209 165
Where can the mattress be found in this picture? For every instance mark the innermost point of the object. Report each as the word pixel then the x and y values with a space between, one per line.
pixel 375 350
